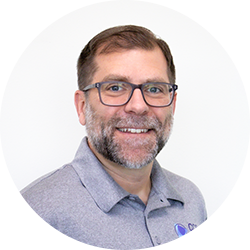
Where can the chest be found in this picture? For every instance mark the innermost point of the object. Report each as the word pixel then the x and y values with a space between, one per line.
pixel 128 225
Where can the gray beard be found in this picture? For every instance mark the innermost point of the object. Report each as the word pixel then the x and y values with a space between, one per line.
pixel 101 135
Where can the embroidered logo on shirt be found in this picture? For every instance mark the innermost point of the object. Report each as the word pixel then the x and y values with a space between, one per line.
pixel 180 229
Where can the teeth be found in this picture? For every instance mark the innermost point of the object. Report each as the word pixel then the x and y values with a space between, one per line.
pixel 133 130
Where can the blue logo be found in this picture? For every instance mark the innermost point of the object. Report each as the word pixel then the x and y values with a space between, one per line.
pixel 180 229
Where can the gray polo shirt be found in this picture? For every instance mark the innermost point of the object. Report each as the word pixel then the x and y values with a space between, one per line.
pixel 83 201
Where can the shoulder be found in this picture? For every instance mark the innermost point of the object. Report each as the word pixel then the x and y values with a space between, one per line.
pixel 51 181
pixel 48 193
pixel 180 183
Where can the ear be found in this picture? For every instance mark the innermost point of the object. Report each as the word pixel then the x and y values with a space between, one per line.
pixel 174 102
pixel 80 102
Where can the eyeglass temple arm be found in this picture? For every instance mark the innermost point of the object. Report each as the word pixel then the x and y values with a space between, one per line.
pixel 91 86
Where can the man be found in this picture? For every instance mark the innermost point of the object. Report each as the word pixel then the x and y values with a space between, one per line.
pixel 114 194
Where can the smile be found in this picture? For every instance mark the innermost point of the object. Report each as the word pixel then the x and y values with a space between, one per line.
pixel 133 130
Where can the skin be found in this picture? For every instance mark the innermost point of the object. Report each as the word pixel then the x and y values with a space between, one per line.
pixel 136 66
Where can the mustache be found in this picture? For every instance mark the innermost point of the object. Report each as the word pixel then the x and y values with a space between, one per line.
pixel 133 121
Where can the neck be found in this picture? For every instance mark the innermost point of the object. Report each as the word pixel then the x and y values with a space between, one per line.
pixel 134 181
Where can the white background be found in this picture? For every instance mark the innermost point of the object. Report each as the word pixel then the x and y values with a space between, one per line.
pixel 227 22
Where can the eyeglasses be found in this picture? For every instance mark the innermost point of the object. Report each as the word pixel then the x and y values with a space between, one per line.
pixel 117 93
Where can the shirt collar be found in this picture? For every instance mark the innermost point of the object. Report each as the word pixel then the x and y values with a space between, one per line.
pixel 162 184
pixel 102 187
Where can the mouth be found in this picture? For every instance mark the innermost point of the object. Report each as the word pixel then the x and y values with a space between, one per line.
pixel 133 130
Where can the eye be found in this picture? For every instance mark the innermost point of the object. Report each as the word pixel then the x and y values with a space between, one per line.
pixel 154 90
pixel 115 88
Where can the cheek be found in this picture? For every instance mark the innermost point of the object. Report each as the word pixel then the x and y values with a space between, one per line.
pixel 106 113
pixel 166 118
pixel 162 114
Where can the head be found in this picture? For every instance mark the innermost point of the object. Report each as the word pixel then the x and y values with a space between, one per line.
pixel 133 134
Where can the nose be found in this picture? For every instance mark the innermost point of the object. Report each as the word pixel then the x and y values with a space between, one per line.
pixel 136 104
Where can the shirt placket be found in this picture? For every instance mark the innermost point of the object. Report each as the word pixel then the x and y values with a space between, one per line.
pixel 156 201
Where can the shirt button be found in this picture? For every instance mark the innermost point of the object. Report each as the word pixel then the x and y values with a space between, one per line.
pixel 158 241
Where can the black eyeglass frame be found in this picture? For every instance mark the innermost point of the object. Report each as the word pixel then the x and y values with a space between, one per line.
pixel 134 86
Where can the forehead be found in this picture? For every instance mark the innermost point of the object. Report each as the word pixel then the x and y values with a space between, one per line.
pixel 135 65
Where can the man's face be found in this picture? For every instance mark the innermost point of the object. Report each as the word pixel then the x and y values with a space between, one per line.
pixel 131 135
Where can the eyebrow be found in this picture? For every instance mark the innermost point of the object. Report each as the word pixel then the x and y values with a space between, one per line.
pixel 114 77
